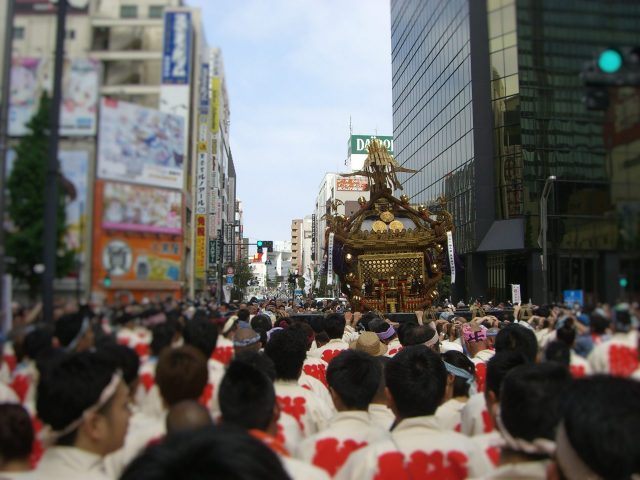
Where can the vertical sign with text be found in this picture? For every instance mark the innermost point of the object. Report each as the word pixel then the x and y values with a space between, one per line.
pixel 201 249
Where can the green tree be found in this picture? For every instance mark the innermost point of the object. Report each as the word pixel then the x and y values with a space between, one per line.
pixel 26 184
pixel 242 275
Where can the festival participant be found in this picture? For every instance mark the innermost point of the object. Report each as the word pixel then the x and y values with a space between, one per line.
pixel 287 349
pixel 262 324
pixel 379 413
pixel 334 326
pixel 130 333
pixel 202 334
pixel 578 366
pixel 181 374
pixel 618 355
pixel 16 441
pixel 475 341
pixel 187 416
pixel 85 404
pixel 421 335
pixel 353 379
pixel 228 327
pixel 73 332
pixel 527 418
pixel 313 366
pixel 460 378
pixel 246 340
pixel 416 381
pixel 248 401
pixel 211 452
pixel 598 431
pixel 387 335
pixel 25 376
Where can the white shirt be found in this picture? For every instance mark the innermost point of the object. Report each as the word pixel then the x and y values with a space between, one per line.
pixel 418 446
pixel 70 463
pixel 317 387
pixel 332 348
pixel 223 351
pixel 448 414
pixel 347 432
pixel 316 368
pixel 393 347
pixel 578 366
pixel 381 415
pixel 310 411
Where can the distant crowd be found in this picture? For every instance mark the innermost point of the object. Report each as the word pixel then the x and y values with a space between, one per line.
pixel 270 389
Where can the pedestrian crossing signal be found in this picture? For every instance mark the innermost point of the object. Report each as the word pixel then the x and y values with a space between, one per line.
pixel 106 281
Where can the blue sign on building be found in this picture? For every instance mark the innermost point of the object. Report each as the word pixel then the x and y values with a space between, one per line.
pixel 571 297
pixel 176 56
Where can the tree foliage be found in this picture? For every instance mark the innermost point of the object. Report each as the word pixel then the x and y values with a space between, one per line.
pixel 242 274
pixel 26 186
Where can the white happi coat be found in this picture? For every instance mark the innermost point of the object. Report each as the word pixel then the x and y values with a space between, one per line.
pixel 317 387
pixel 147 397
pixel 578 366
pixel 393 347
pixel 310 411
pixel 480 362
pixel 223 351
pixel 475 418
pixel 347 432
pixel 448 414
pixel 417 449
pixel 209 397
pixel 381 415
pixel 332 348
pixel 490 443
pixel 70 463
pixel 617 356
pixel 137 338
pixel 315 367
pixel 24 381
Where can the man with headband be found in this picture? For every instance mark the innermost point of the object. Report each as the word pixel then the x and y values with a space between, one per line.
pixel 84 404
pixel 73 332
pixel 386 334
pixel 475 341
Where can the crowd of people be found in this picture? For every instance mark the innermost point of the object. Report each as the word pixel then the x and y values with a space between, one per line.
pixel 309 390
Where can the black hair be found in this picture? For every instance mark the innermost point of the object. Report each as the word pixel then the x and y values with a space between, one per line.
pixel 334 324
pixel 367 318
pixel 246 396
pixel 261 324
pixel 223 452
pixel 243 315
pixel 558 352
pixel 418 335
pixel 355 377
pixel 602 420
pixel 566 334
pixel 530 400
pixel 317 323
pixel 497 368
pixel 460 360
pixel 202 334
pixel 181 374
pixel 403 330
pixel 288 349
pixel 37 341
pixel 70 386
pixel 67 327
pixel 417 379
pixel 598 324
pixel 162 335
pixel 378 325
pixel 258 360
pixel 517 338
pixel 16 432
pixel 124 359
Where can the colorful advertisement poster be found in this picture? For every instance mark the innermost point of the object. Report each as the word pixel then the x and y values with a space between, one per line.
pixel 31 76
pixel 141 209
pixel 74 165
pixel 215 104
pixel 201 247
pixel 176 57
pixel 140 145
pixel 142 259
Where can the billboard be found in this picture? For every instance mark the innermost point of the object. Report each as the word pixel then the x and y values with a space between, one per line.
pixel 201 248
pixel 143 259
pixel 140 145
pixel 31 76
pixel 216 85
pixel 358 144
pixel 45 7
pixel 74 165
pixel 352 184
pixel 177 45
pixel 141 209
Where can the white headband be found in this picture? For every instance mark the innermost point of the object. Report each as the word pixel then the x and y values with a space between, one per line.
pixel 538 446
pixel 49 436
pixel 570 463
pixel 229 324
pixel 433 340
pixel 83 329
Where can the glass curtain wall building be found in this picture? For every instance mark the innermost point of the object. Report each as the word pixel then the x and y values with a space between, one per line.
pixel 488 145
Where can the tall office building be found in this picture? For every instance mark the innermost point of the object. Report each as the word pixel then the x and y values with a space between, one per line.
pixel 487 104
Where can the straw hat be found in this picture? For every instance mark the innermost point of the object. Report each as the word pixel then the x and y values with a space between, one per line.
pixel 369 342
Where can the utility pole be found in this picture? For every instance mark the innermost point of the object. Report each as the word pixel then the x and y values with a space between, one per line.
pixel 51 185
pixel 4 137
pixel 543 225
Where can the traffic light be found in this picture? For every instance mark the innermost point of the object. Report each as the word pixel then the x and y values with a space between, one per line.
pixel 259 243
pixel 623 282
pixel 107 280
pixel 610 67
pixel 269 245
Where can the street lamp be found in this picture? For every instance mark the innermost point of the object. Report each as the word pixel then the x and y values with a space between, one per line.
pixel 548 184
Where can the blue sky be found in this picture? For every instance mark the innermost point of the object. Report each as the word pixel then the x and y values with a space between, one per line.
pixel 295 72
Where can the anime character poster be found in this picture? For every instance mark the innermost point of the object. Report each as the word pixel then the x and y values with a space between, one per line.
pixel 140 145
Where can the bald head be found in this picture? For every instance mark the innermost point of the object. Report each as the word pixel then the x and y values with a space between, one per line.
pixel 187 415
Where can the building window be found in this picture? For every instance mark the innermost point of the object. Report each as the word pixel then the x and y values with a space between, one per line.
pixel 156 11
pixel 128 11
pixel 70 34
pixel 18 33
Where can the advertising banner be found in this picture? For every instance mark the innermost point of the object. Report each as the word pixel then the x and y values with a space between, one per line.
pixel 176 53
pixel 74 165
pixel 452 263
pixel 215 104
pixel 141 209
pixel 140 145
pixel 352 184
pixel 45 7
pixel 201 183
pixel 358 144
pixel 201 247
pixel 140 259
pixel 31 76
pixel 516 298
pixel 204 89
